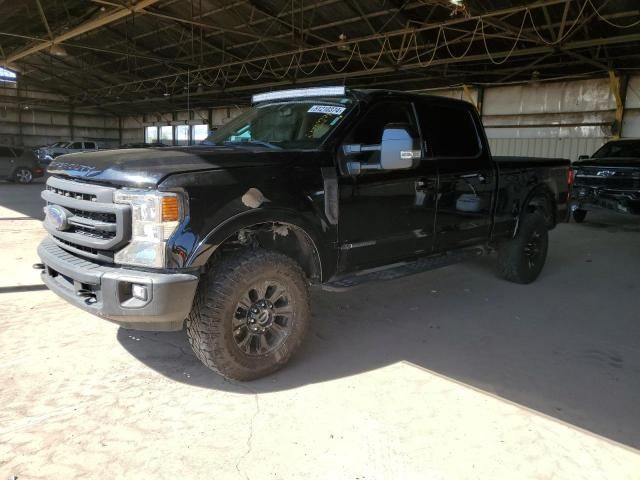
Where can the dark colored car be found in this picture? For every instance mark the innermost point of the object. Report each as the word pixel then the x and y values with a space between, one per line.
pixel 610 179
pixel 321 186
pixel 19 165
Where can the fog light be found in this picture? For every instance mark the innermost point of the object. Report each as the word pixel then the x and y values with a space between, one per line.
pixel 139 292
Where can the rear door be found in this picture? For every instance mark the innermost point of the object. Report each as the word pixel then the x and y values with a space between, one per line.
pixel 385 216
pixel 6 161
pixel 466 173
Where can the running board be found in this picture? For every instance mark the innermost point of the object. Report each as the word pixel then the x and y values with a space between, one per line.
pixel 403 269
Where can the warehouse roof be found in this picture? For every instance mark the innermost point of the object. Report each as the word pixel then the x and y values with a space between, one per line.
pixel 153 55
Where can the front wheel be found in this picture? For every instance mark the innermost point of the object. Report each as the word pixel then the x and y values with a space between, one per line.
pixel 579 215
pixel 23 175
pixel 250 314
pixel 521 259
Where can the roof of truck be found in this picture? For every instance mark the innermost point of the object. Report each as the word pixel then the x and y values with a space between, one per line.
pixel 377 92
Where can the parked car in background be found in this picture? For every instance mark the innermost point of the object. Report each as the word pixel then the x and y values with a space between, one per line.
pixel 143 145
pixel 44 151
pixel 46 155
pixel 609 179
pixel 19 164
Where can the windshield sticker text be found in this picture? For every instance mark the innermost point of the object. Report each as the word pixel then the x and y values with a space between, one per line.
pixel 328 109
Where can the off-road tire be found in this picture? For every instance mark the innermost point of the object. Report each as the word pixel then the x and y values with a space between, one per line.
pixel 514 263
pixel 579 215
pixel 209 325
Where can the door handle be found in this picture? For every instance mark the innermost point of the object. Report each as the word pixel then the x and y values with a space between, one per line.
pixel 425 184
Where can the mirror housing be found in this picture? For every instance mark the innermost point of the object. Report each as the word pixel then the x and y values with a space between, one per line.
pixel 583 157
pixel 399 150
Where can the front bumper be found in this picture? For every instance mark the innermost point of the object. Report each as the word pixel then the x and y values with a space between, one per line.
pixel 107 291
pixel 622 201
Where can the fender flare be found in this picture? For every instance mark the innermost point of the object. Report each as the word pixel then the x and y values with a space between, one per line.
pixel 541 189
pixel 225 230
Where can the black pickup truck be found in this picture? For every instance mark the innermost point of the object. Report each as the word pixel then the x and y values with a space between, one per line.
pixel 609 179
pixel 321 186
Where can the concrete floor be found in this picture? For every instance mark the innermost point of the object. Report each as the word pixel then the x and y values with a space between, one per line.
pixel 451 374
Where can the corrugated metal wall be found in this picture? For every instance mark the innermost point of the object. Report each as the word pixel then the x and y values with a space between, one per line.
pixel 559 119
pixel 25 120
pixel 546 147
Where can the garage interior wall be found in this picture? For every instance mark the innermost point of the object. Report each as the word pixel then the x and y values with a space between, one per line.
pixel 33 118
pixel 557 119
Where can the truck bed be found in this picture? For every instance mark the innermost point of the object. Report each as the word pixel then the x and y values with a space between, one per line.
pixel 516 161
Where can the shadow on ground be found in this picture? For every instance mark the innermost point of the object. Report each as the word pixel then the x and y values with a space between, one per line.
pixel 565 346
pixel 18 200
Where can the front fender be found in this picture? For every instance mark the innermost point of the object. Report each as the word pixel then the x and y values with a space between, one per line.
pixel 320 234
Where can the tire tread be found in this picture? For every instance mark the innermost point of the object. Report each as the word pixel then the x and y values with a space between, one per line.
pixel 205 326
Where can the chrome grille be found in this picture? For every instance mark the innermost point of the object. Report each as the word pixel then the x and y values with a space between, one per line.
pixel 612 178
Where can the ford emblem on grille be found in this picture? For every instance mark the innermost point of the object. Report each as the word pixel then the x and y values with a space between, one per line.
pixel 606 173
pixel 57 217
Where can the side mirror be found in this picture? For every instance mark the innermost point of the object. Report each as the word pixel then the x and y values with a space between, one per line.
pixel 583 157
pixel 399 150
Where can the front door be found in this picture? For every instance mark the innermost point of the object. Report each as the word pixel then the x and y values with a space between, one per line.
pixel 6 161
pixel 385 216
pixel 467 177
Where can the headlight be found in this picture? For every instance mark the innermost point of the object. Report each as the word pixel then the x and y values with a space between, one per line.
pixel 154 218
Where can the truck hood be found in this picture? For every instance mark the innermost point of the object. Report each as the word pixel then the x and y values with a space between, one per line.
pixel 609 162
pixel 147 167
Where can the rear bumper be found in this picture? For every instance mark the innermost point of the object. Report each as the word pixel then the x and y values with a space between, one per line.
pixel 622 201
pixel 107 291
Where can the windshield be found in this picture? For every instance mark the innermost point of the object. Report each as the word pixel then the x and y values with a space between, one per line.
pixel 301 124
pixel 625 148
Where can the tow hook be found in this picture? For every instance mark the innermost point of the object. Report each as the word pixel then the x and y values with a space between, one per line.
pixel 38 266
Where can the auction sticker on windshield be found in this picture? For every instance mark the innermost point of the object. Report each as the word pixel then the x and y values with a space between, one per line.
pixel 328 109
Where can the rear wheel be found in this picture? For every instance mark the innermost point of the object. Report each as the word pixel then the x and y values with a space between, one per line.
pixel 250 314
pixel 521 259
pixel 579 215
pixel 23 175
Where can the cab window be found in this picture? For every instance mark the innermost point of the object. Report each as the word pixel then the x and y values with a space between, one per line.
pixel 369 130
pixel 449 131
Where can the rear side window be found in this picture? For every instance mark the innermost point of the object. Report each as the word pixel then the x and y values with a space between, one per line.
pixel 89 145
pixel 5 152
pixel 449 131
pixel 75 146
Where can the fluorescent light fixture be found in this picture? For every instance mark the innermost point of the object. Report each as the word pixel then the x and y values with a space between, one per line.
pixel 300 93
pixel 7 75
